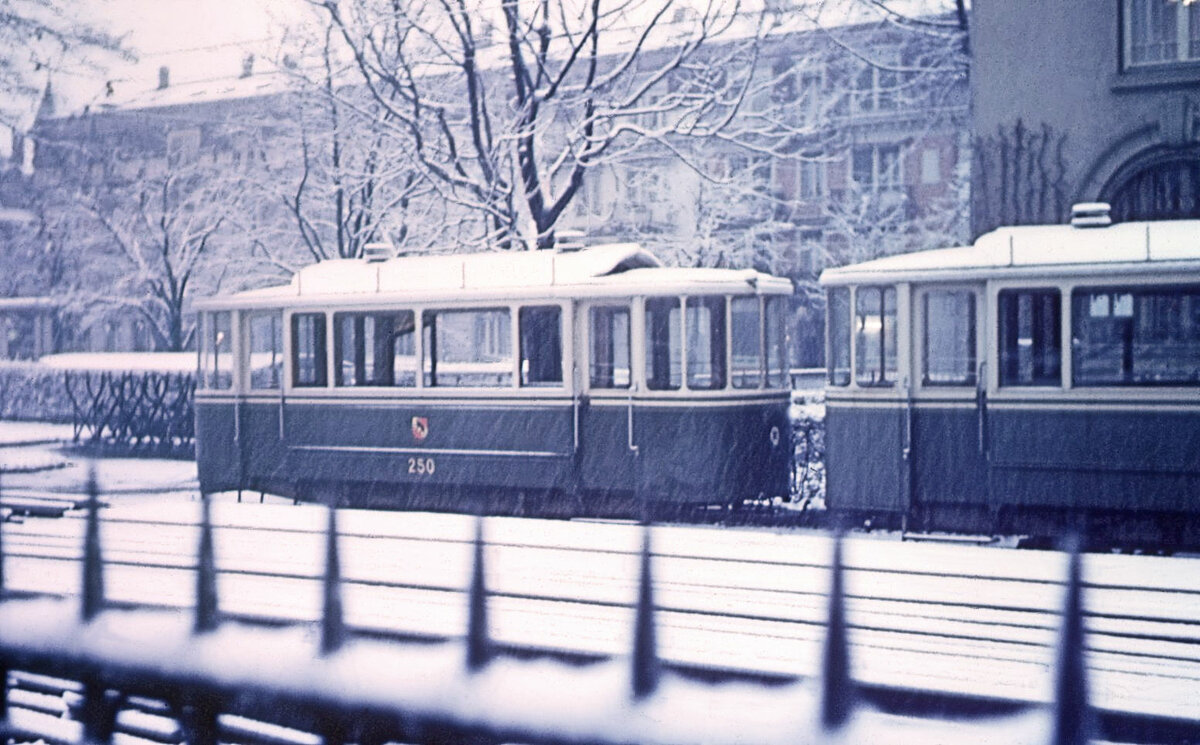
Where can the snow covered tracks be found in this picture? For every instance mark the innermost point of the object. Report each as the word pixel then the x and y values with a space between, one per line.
pixel 566 637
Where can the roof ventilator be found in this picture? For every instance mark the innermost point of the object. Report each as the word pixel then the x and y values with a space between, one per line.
pixel 374 253
pixel 1091 215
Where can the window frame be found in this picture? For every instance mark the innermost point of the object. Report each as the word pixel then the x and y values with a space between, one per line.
pixel 1064 360
pixel 1183 38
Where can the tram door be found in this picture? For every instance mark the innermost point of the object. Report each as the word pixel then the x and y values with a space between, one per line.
pixel 605 381
pixel 947 431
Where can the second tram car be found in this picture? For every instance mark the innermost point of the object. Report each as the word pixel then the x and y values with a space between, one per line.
pixel 553 382
pixel 1044 378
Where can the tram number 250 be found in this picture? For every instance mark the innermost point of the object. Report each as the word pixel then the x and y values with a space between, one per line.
pixel 421 466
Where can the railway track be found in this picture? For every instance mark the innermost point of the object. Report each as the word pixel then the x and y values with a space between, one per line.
pixel 950 619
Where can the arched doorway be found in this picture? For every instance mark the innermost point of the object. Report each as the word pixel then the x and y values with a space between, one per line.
pixel 1160 185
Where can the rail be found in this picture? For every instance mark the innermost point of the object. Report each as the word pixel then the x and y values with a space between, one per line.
pixel 157 674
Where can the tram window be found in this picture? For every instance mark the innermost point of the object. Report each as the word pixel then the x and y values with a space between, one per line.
pixel 541 345
pixel 744 317
pixel 1030 337
pixel 1136 336
pixel 308 350
pixel 266 350
pixel 706 343
pixel 875 336
pixel 949 339
pixel 839 336
pixel 609 361
pixel 468 348
pixel 217 365
pixel 664 348
pixel 775 333
pixel 374 349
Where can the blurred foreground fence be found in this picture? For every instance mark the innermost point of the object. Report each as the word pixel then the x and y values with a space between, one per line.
pixel 220 680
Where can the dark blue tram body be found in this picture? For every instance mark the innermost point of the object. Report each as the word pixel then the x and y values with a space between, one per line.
pixel 573 383
pixel 1044 379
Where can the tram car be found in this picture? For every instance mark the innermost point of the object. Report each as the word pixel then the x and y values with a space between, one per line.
pixel 560 382
pixel 1044 379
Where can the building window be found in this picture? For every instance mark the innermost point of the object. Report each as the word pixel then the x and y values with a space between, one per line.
pixel 876 168
pixel 876 85
pixel 931 166
pixel 1136 336
pixel 1030 338
pixel 812 179
pixel 1161 32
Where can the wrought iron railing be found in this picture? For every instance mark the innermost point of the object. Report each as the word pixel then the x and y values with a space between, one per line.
pixel 222 680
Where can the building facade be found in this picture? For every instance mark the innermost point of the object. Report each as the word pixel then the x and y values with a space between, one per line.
pixel 1085 102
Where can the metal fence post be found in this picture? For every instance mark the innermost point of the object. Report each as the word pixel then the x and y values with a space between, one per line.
pixel 478 646
pixel 1072 712
pixel 646 669
pixel 837 687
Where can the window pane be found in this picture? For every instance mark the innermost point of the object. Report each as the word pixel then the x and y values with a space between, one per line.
pixel 747 343
pixel 374 349
pixel 609 328
pixel 1030 337
pixel 1153 33
pixel 949 338
pixel 541 346
pixel 266 350
pixel 839 336
pixel 308 350
pixel 468 348
pixel 664 351
pixel 1136 336
pixel 706 343
pixel 775 333
pixel 875 336
pixel 218 351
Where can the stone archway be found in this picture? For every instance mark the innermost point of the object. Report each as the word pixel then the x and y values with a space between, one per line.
pixel 1159 184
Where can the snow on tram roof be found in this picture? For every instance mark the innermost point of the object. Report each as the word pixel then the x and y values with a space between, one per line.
pixel 602 270
pixel 1040 249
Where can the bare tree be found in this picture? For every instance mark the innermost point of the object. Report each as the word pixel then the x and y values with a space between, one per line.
pixel 345 181
pixel 160 246
pixel 39 38
pixel 506 106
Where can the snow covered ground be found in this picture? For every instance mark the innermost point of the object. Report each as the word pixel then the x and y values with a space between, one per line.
pixel 952 618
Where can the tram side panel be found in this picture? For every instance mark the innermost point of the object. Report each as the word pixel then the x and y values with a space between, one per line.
pixel 864 459
pixel 1096 458
pixel 686 453
pixel 949 470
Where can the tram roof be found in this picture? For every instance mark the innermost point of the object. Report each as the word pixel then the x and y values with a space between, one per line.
pixel 1041 250
pixel 601 271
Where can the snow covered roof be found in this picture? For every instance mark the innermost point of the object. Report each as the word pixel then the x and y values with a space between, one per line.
pixel 1134 247
pixel 618 269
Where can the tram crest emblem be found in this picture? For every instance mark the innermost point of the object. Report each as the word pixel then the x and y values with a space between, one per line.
pixel 420 428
